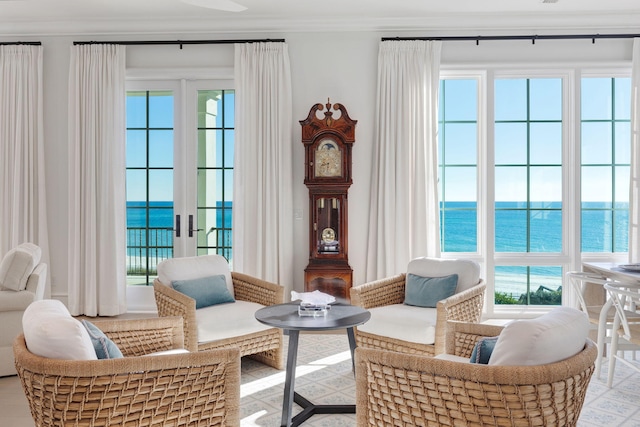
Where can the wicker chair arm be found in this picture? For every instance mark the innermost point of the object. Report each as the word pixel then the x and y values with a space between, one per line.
pixel 249 288
pixel 379 293
pixel 173 303
pixel 122 366
pixel 462 336
pixel 465 306
pixel 137 337
pixel 579 364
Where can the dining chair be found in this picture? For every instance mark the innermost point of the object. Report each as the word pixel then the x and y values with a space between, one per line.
pixel 601 313
pixel 623 296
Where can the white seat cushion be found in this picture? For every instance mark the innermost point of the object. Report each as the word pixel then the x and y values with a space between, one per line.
pixel 468 271
pixel 230 320
pixel 196 267
pixel 403 322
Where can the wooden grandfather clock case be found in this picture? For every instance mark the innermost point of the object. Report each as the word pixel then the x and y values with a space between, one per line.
pixel 328 142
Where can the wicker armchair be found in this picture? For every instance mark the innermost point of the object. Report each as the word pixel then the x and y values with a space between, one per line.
pixel 394 389
pixel 255 340
pixel 157 390
pixel 465 305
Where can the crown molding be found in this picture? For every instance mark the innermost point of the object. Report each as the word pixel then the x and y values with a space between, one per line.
pixel 445 24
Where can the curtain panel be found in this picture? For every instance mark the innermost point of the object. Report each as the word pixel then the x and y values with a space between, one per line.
pixel 404 212
pixel 262 189
pixel 23 205
pixel 634 187
pixel 97 199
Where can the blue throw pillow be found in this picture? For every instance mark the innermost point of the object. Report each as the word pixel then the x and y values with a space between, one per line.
pixel 206 291
pixel 105 348
pixel 483 349
pixel 427 291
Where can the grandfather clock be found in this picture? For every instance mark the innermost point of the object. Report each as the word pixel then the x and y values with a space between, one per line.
pixel 328 142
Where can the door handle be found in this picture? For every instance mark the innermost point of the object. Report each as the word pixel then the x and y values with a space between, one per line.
pixel 191 229
pixel 177 229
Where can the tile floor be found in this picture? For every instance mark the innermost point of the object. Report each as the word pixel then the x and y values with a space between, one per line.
pixel 324 376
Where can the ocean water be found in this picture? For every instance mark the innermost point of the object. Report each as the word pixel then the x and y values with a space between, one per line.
pixel 458 225
pixel 542 234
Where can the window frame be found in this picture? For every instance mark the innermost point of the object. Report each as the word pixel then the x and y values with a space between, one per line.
pixel 570 258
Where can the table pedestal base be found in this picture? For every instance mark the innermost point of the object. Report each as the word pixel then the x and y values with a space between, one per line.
pixel 309 409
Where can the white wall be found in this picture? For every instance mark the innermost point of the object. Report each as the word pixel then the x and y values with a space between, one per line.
pixel 339 66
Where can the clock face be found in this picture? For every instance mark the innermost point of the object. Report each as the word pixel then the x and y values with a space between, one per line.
pixel 328 159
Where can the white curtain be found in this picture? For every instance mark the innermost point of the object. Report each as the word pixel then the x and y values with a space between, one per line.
pixel 404 218
pixel 97 206
pixel 634 188
pixel 263 185
pixel 23 213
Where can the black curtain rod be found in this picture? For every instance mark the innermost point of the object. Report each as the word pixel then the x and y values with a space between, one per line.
pixel 533 38
pixel 27 43
pixel 182 42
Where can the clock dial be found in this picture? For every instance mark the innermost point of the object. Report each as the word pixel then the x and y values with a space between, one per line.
pixel 328 159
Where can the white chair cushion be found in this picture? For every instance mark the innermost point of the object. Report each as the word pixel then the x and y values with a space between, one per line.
pixel 223 321
pixel 50 331
pixel 402 322
pixel 552 337
pixel 468 271
pixel 196 267
pixel 17 265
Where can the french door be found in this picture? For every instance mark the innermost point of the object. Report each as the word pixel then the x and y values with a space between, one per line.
pixel 179 172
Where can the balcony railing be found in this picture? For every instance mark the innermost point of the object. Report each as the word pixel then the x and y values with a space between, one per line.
pixel 146 247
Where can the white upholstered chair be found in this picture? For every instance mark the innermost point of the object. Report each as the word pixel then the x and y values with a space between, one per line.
pixel 403 328
pixel 223 325
pixel 22 281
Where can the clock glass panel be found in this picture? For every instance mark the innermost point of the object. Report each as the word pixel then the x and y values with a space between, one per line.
pixel 327 214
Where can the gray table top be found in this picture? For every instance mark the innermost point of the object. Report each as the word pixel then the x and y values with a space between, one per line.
pixel 285 316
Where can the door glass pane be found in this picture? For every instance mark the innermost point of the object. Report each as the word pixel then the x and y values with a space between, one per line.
pixel 215 171
pixel 150 208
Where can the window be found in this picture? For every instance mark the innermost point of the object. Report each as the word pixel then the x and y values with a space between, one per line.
pixel 605 123
pixel 509 190
pixel 458 139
